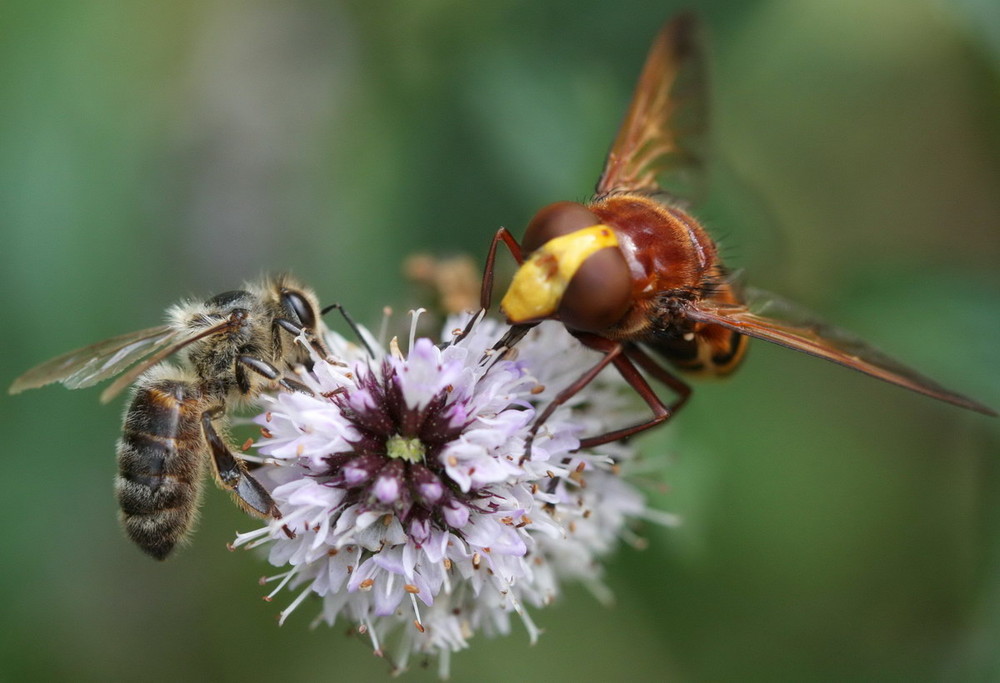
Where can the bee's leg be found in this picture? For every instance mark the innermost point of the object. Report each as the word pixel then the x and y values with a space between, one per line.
pixel 353 325
pixel 232 474
pixel 267 370
pixel 293 328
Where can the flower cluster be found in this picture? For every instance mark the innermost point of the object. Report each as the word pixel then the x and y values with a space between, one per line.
pixel 415 503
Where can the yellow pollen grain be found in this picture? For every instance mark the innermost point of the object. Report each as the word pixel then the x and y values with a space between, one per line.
pixel 366 584
pixel 410 588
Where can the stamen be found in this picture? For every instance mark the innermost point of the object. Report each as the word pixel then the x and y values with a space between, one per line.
pixel 414 315
pixel 295 603
pixel 284 582
pixel 383 329
pixel 416 611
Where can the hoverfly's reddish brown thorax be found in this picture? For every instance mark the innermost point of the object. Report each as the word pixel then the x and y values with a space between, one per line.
pixel 665 248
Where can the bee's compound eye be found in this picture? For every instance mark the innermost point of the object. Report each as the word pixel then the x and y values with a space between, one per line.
pixel 556 220
pixel 599 294
pixel 300 307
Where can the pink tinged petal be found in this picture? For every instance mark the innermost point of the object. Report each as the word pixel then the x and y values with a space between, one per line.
pixel 455 514
pixel 391 560
pixel 367 518
pixel 424 590
pixel 429 487
pixel 411 554
pixel 420 530
pixel 364 576
pixel 361 469
pixel 420 376
pixel 339 568
pixel 386 489
pixel 458 415
pixel 378 535
pixel 347 521
pixel 436 548
pixel 388 595
pixel 361 400
pixel 309 493
pixel 431 492
pixel 487 532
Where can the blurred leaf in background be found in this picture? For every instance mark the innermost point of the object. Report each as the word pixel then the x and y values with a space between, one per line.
pixel 835 526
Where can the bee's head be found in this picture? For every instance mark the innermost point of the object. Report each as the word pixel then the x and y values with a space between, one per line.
pixel 574 271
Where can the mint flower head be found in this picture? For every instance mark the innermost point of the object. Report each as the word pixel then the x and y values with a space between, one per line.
pixel 412 506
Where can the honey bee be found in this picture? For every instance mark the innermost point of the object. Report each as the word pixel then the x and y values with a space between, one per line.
pixel 631 269
pixel 228 349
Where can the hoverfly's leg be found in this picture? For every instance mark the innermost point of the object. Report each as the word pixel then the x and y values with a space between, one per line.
pixel 232 474
pixel 503 234
pixel 658 372
pixel 486 289
pixel 265 369
pixel 627 369
pixel 507 342
pixel 612 351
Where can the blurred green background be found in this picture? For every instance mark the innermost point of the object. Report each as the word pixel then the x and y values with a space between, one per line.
pixel 836 527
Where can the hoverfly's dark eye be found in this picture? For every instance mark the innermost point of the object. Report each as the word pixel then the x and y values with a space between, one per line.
pixel 599 294
pixel 297 304
pixel 556 220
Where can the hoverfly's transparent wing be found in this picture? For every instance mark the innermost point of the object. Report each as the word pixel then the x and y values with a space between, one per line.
pixel 659 144
pixel 786 324
pixel 89 365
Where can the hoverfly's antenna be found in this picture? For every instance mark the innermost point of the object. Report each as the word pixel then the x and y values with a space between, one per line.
pixel 355 328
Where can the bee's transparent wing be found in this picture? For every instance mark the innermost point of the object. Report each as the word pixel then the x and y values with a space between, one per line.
pixel 178 342
pixel 89 365
pixel 784 323
pixel 661 140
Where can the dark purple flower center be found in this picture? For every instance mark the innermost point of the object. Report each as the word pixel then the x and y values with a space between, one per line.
pixel 394 463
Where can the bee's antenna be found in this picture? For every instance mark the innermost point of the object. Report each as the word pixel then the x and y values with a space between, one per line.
pixel 350 323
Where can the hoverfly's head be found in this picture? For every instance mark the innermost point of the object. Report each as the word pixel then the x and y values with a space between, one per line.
pixel 574 271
